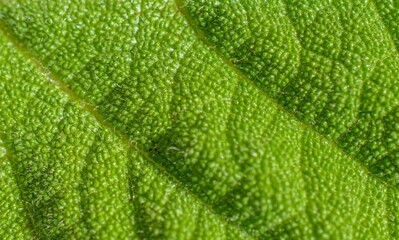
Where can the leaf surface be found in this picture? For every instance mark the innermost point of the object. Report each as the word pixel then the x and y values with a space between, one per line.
pixel 199 119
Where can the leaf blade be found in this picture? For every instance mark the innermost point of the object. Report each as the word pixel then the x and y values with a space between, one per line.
pixel 193 134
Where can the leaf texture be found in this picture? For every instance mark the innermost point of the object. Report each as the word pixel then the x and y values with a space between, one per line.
pixel 198 120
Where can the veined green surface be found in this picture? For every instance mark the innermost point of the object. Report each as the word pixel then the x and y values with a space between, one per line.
pixel 199 119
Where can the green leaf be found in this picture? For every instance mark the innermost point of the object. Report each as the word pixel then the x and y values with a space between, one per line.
pixel 199 119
